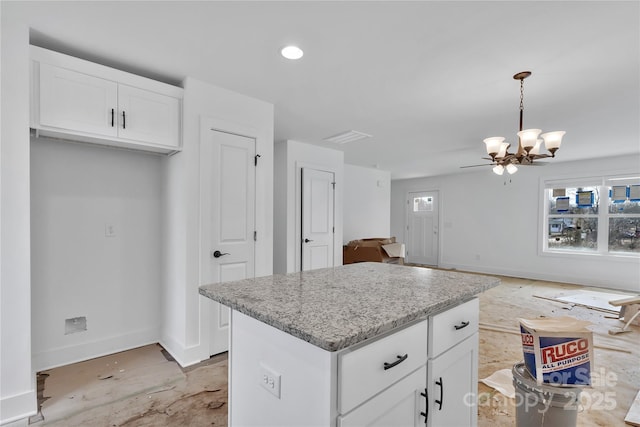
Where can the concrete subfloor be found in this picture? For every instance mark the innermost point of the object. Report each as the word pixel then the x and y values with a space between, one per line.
pixel 142 387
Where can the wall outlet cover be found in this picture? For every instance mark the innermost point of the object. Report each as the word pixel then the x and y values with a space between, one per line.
pixel 270 380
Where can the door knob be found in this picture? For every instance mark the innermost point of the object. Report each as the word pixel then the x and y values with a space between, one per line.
pixel 218 254
pixel 308 240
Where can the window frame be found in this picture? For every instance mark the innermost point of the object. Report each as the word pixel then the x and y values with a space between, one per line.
pixel 602 183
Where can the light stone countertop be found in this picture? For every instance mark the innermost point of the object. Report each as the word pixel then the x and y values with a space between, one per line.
pixel 334 308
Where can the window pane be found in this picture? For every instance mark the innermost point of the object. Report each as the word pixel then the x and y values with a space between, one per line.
pixel 573 200
pixel 573 233
pixel 624 234
pixel 624 199
pixel 422 204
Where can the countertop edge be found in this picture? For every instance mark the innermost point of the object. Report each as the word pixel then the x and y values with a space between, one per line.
pixel 372 332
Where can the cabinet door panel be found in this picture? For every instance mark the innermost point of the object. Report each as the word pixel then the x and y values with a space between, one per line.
pixel 76 101
pixel 456 371
pixel 148 116
pixel 400 405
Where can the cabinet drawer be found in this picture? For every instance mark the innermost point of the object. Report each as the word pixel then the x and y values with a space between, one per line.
pixel 362 373
pixel 452 326
pixel 401 405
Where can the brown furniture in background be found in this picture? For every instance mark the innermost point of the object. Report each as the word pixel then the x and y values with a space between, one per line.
pixel 373 250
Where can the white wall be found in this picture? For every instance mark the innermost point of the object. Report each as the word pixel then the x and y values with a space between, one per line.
pixel 367 203
pixel 185 325
pixel 290 158
pixel 492 227
pixel 76 189
pixel 182 330
pixel 17 382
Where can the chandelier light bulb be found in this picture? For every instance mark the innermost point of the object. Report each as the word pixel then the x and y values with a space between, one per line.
pixel 536 148
pixel 552 140
pixel 493 144
pixel 529 142
pixel 503 150
pixel 529 137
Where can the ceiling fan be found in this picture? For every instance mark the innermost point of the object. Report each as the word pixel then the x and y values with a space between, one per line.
pixel 528 143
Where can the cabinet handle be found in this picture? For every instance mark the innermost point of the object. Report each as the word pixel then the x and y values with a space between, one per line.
pixel 112 116
pixel 461 325
pixel 401 359
pixel 439 402
pixel 124 120
pixel 425 414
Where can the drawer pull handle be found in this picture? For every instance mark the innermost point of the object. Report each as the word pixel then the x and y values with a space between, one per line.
pixel 425 414
pixel 401 359
pixel 461 325
pixel 439 402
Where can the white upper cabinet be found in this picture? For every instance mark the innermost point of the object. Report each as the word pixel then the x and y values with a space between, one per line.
pixel 70 100
pixel 75 99
pixel 148 116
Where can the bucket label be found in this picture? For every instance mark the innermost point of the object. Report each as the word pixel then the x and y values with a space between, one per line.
pixel 565 355
pixel 565 360
pixel 559 360
pixel 527 342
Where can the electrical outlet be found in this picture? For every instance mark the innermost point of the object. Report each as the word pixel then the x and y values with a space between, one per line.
pixel 270 380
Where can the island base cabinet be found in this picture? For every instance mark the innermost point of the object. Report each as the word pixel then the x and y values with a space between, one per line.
pixel 452 386
pixel 401 405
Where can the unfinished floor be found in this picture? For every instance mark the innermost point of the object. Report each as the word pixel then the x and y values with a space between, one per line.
pixel 144 387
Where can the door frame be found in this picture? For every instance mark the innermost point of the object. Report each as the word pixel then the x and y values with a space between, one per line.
pixel 208 124
pixel 405 227
pixel 298 212
pixel 333 220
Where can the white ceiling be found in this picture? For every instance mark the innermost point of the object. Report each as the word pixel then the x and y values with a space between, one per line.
pixel 429 80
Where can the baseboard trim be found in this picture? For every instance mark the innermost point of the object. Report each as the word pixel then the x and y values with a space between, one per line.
pixel 530 275
pixel 90 350
pixel 18 407
pixel 184 356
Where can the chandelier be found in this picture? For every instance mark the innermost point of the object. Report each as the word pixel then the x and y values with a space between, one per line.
pixel 529 144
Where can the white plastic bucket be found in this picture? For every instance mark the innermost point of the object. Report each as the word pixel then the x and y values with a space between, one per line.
pixel 543 405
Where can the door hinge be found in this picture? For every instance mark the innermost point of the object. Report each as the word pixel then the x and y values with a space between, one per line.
pixel 334 185
pixel 255 159
pixel 255 236
pixel 334 230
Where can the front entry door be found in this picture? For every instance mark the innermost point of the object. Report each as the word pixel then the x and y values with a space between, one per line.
pixel 422 228
pixel 227 169
pixel 317 218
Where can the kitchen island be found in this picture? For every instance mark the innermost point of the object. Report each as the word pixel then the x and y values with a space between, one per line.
pixel 361 344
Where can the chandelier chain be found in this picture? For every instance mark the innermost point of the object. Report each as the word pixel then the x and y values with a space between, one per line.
pixel 521 94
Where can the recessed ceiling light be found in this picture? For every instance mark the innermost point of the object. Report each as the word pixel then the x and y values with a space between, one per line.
pixel 292 52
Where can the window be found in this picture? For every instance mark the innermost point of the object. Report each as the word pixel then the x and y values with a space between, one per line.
pixel 423 204
pixel 596 215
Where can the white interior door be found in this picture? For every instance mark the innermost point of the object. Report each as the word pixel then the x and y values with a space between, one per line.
pixel 422 228
pixel 227 169
pixel 317 218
